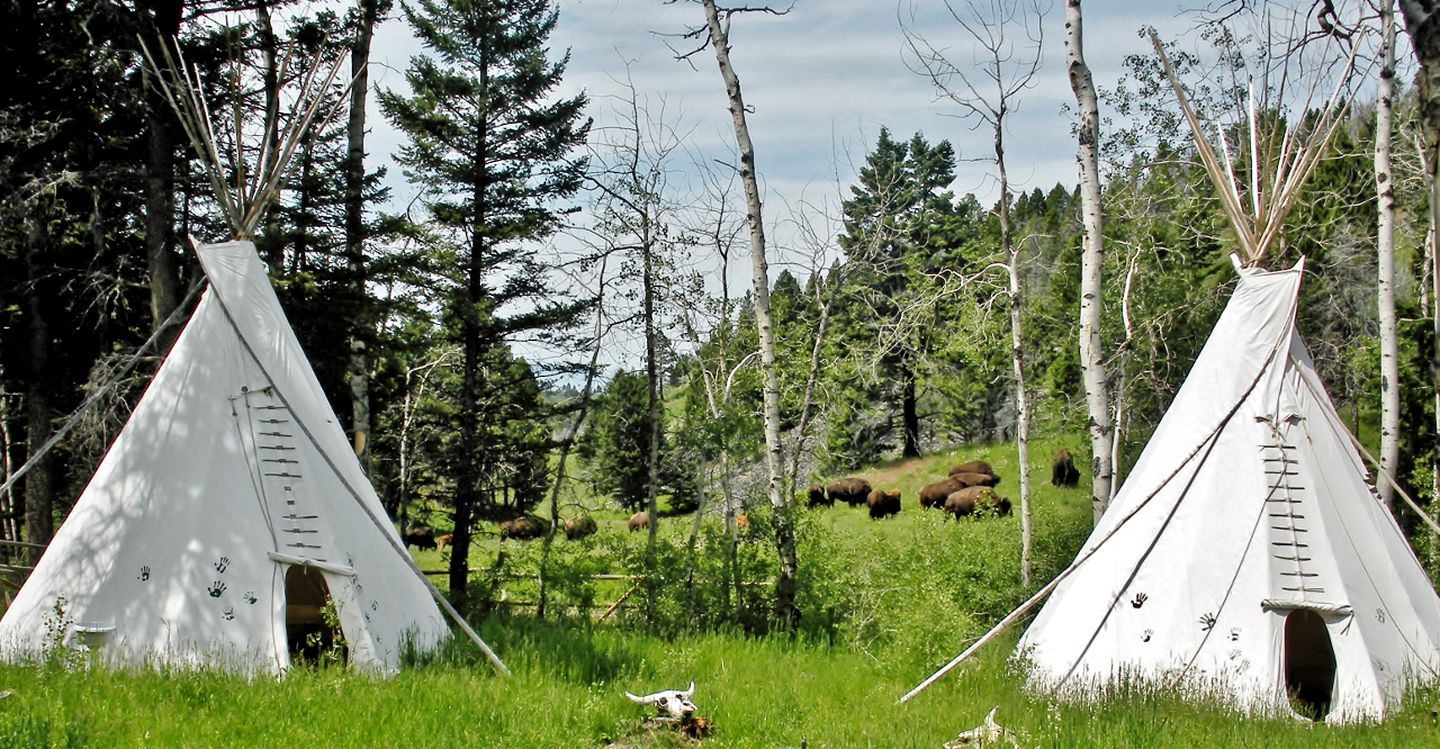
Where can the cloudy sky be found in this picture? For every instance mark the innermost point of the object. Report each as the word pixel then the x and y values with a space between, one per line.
pixel 821 80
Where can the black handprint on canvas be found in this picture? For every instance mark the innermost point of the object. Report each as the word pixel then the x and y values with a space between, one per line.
pixel 1139 600
pixel 250 597
pixel 144 575
pixel 216 588
pixel 229 613
pixel 221 564
pixel 1207 622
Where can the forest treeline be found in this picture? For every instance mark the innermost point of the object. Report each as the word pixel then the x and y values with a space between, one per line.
pixel 457 340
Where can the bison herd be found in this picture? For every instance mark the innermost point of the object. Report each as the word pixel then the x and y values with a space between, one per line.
pixel 967 490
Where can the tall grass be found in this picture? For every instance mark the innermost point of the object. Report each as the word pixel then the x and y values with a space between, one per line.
pixel 885 602
pixel 567 692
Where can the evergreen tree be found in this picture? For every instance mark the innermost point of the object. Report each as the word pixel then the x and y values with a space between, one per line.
pixel 491 145
pixel 620 441
pixel 899 220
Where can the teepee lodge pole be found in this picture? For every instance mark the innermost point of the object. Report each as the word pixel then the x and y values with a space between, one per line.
pixel 1278 171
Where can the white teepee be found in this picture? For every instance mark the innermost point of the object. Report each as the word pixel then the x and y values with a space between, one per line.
pixel 1247 557
pixel 229 522
pixel 1246 553
pixel 230 495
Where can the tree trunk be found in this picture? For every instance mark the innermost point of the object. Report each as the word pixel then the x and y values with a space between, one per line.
pixel 807 401
pixel 1432 250
pixel 273 243
pixel 652 394
pixel 467 477
pixel 39 487
pixel 160 172
pixel 1017 354
pixel 8 464
pixel 1118 433
pixel 358 366
pixel 909 411
pixel 1422 23
pixel 1092 358
pixel 1385 249
pixel 785 607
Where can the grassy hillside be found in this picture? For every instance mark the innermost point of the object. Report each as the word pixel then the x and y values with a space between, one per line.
pixel 885 603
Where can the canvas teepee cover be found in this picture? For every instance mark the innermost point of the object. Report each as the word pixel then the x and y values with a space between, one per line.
pixel 231 481
pixel 1247 553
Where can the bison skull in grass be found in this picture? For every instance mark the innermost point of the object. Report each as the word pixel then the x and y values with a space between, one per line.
pixel 988 733
pixel 672 704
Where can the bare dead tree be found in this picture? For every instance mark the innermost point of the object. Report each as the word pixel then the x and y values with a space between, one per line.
pixel 715 34
pixel 814 225
pixel 576 422
pixel 986 94
pixel 718 228
pixel 633 155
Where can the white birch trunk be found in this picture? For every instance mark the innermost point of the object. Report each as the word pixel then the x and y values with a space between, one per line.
pixel 1385 249
pixel 1092 358
pixel 784 531
pixel 1022 417
pixel 1017 354
pixel 652 386
pixel 1432 249
pixel 1118 433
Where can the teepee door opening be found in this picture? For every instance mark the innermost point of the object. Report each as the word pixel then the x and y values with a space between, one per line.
pixel 1309 664
pixel 309 632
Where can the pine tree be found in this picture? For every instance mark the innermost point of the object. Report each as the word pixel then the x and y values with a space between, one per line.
pixel 898 217
pixel 492 146
pixel 620 441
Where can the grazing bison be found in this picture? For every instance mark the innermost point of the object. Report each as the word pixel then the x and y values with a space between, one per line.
pixel 579 527
pixel 883 503
pixel 639 520
pixel 933 495
pixel 967 478
pixel 524 528
pixel 818 497
pixel 851 491
pixel 442 541
pixel 1063 471
pixel 420 536
pixel 973 466
pixel 976 500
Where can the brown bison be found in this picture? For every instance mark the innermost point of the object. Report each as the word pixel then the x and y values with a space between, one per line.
pixel 524 528
pixel 883 503
pixel 966 478
pixel 976 500
pixel 579 527
pixel 1062 470
pixel 818 497
pixel 420 536
pixel 973 466
pixel 851 491
pixel 933 495
pixel 638 521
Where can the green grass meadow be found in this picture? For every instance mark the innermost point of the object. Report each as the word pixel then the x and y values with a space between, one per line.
pixel 886 602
